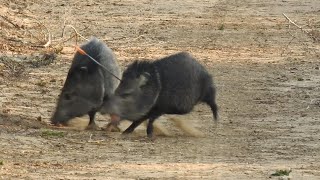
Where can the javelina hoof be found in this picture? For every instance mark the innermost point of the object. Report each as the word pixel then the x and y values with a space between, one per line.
pixel 58 126
pixel 148 139
pixel 151 138
pixel 111 128
pixel 93 127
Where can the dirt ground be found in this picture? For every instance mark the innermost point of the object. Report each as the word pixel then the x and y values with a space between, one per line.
pixel 268 91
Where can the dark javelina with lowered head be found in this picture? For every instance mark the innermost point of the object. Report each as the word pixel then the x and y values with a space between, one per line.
pixel 87 84
pixel 172 85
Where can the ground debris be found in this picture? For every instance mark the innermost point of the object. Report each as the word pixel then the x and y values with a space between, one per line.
pixel 16 64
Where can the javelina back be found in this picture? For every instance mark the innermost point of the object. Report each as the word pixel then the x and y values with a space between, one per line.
pixel 172 85
pixel 87 84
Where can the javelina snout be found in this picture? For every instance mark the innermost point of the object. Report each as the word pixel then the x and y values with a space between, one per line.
pixel 87 84
pixel 70 105
pixel 172 85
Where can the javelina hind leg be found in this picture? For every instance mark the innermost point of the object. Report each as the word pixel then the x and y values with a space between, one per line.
pixel 133 126
pixel 92 125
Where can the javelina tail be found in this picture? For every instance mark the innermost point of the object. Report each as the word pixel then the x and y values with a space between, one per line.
pixel 210 99
pixel 214 109
pixel 186 128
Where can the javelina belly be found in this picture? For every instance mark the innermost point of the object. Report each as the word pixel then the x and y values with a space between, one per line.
pixel 172 85
pixel 87 84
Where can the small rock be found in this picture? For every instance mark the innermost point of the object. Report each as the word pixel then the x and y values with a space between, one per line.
pixel 300 79
pixel 39 118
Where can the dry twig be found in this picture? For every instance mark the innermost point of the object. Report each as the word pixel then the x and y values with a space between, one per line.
pixel 293 23
pixel 313 34
pixel 10 21
pixel 75 30
pixel 24 34
pixel 94 141
pixel 310 33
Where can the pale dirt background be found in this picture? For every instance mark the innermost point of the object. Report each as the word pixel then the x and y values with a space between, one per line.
pixel 268 90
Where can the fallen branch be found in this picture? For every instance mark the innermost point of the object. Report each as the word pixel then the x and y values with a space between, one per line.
pixel 77 32
pixel 312 34
pixel 63 28
pixel 47 35
pixel 291 22
pixel 10 21
pixel 94 141
pixel 49 41
pixel 36 34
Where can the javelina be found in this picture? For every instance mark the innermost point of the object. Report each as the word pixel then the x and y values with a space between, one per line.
pixel 172 85
pixel 87 84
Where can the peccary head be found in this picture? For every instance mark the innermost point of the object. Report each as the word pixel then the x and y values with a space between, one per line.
pixel 83 90
pixel 137 93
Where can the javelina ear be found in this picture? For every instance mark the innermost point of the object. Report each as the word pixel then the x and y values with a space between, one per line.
pixel 144 77
pixel 146 74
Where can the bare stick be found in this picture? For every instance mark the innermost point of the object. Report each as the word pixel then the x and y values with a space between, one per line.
pixel 113 39
pixel 308 33
pixel 42 25
pixel 63 28
pixel 77 32
pixel 47 35
pixel 61 40
pixel 94 141
pixel 9 21
pixel 291 22
pixel 49 41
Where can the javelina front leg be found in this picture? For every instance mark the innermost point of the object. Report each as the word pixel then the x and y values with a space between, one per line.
pixel 150 126
pixel 133 126
pixel 92 125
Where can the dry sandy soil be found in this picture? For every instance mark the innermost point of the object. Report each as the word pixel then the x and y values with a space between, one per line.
pixel 268 90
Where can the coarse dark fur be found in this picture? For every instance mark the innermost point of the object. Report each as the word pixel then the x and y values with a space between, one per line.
pixel 87 84
pixel 172 85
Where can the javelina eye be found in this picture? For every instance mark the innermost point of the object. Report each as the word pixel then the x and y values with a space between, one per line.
pixel 67 96
pixel 125 95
